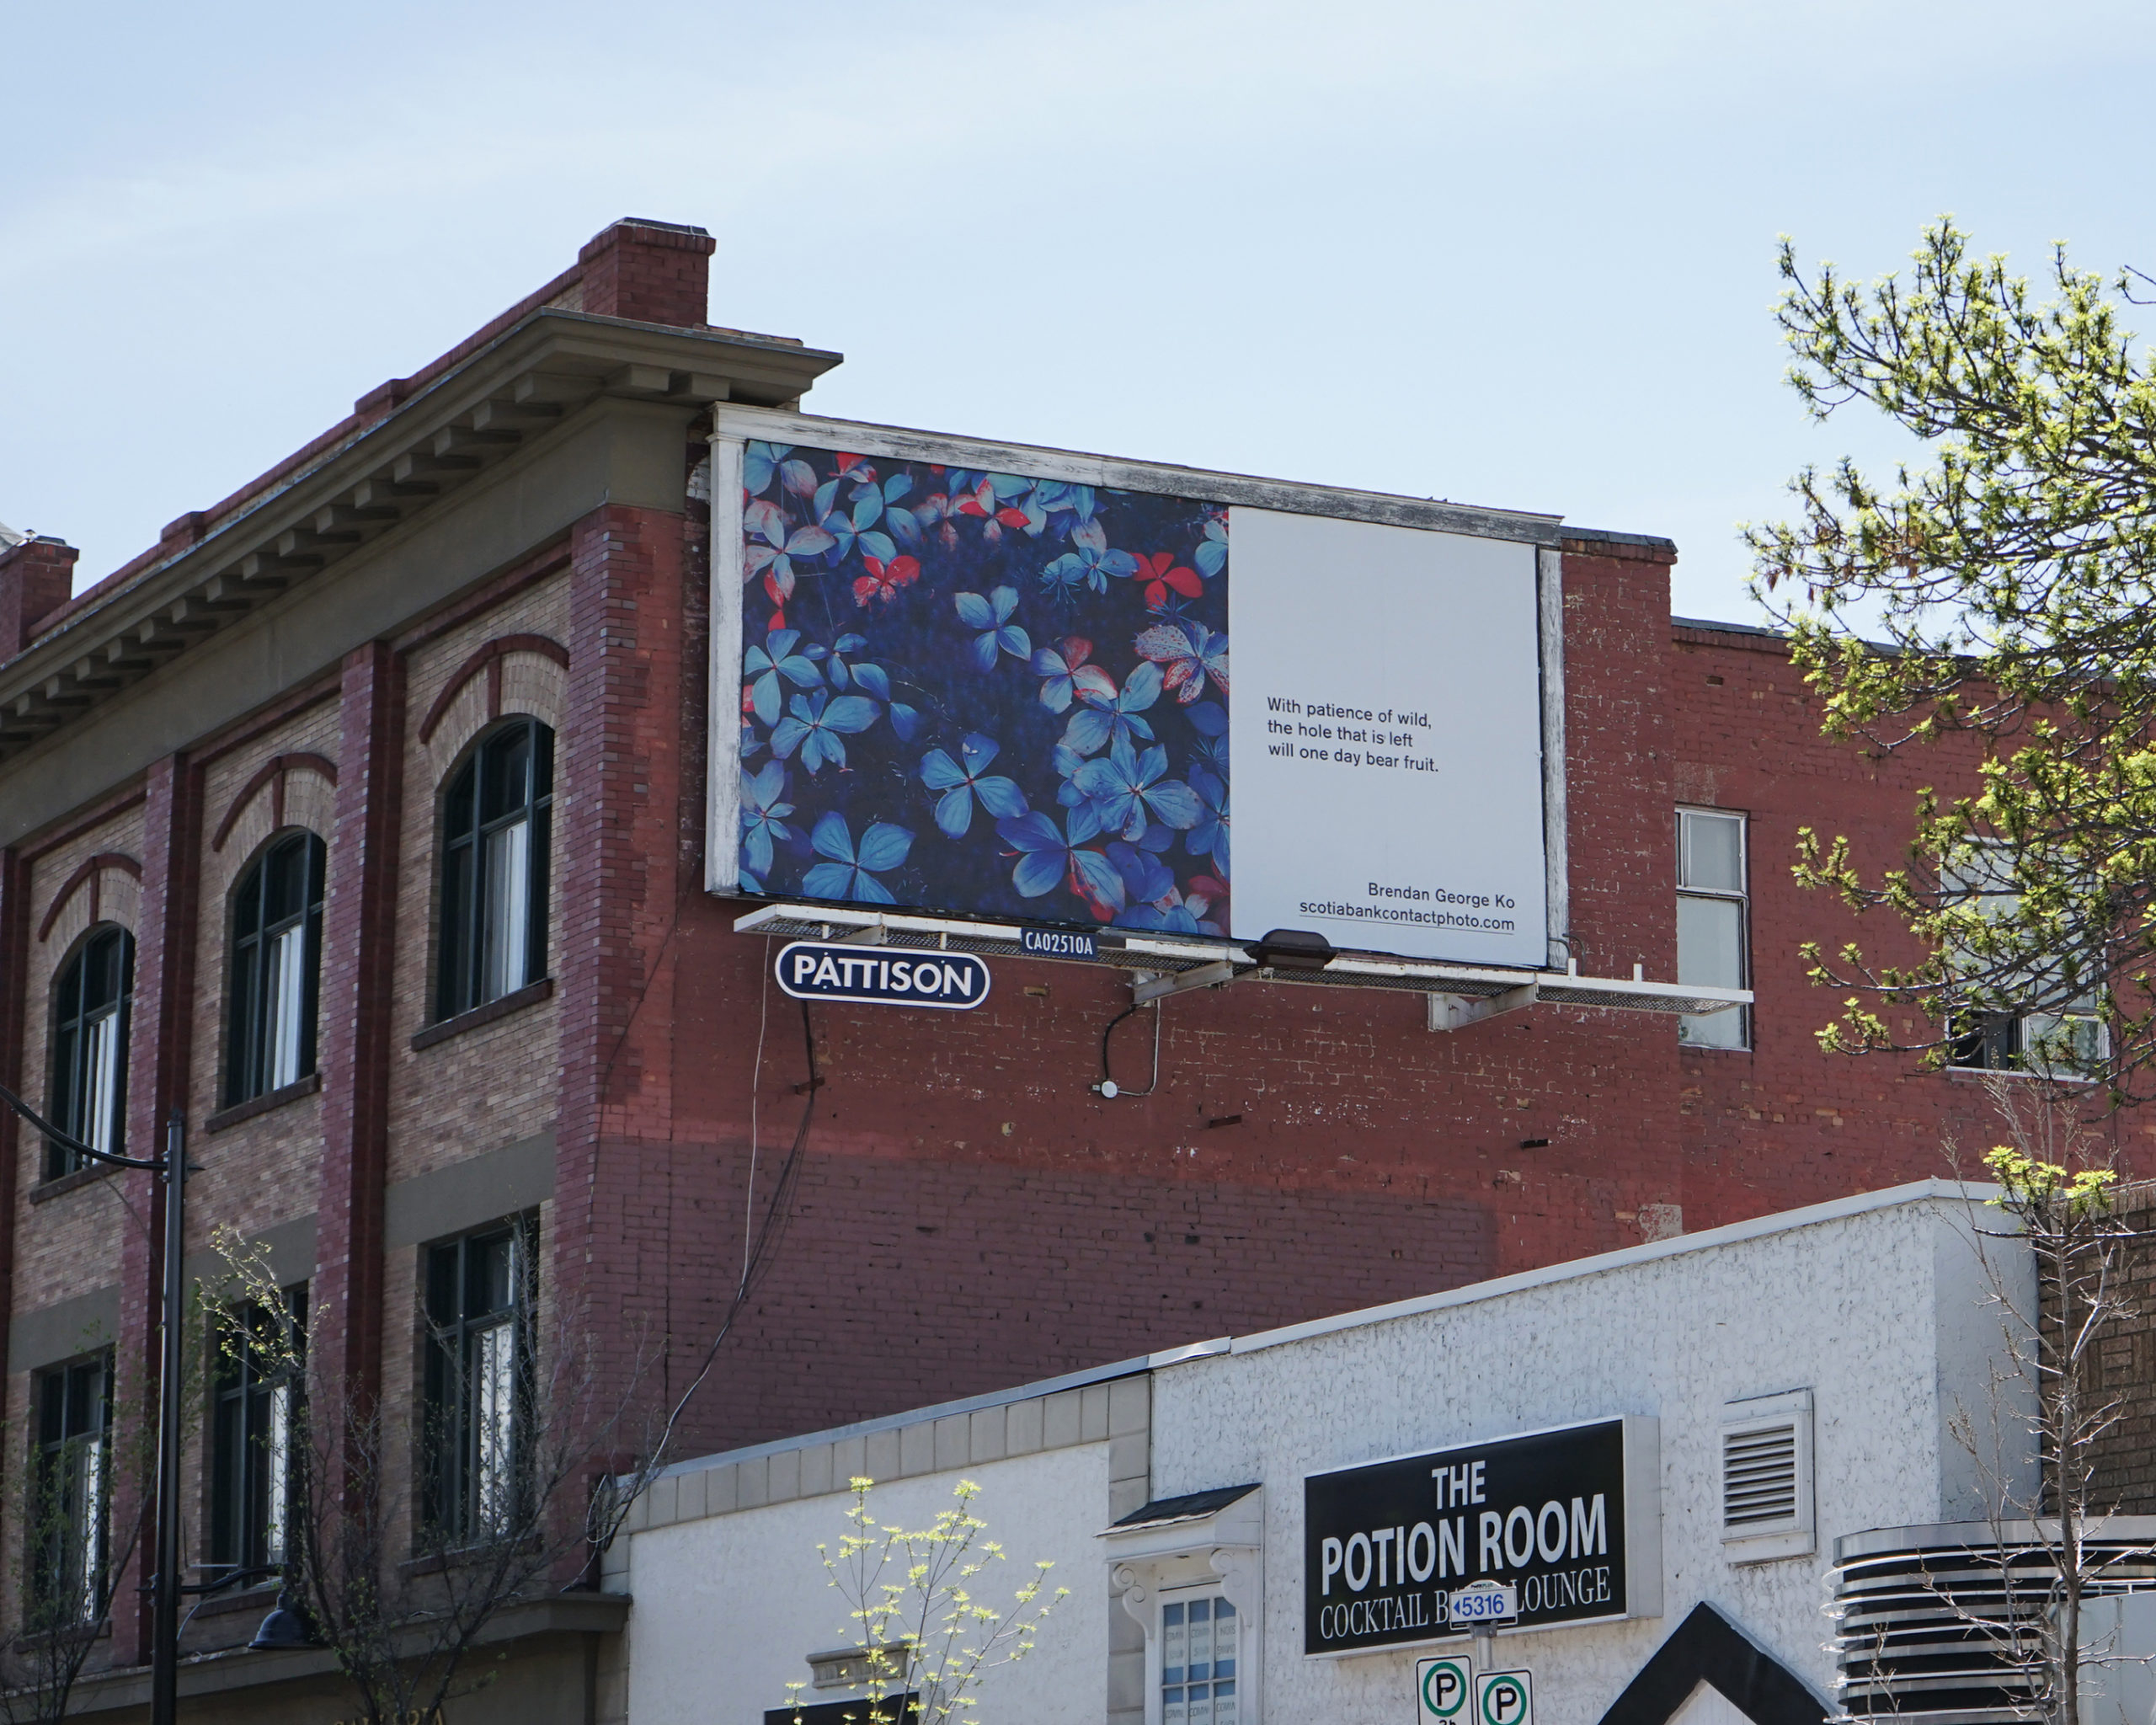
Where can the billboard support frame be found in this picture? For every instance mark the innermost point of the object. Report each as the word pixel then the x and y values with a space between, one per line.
pixel 1181 958
pixel 734 426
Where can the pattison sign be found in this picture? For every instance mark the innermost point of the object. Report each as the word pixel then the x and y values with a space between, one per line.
pixel 1567 1520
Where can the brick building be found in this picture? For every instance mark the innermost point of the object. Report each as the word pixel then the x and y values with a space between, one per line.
pixel 361 820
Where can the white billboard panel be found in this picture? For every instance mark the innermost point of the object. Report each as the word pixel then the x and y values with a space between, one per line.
pixel 1387 731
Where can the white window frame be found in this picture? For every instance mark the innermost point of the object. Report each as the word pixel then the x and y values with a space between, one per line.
pixel 1794 1535
pixel 1222 1555
pixel 1741 898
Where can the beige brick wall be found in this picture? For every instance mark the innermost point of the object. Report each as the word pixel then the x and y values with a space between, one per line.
pixel 266 1170
pixel 72 1244
pixel 497 1084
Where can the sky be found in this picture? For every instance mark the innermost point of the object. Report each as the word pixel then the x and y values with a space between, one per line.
pixel 1517 255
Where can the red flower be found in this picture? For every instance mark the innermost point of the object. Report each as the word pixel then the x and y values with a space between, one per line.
pixel 1162 575
pixel 883 581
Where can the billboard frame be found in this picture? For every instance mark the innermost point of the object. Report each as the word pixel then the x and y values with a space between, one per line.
pixel 734 427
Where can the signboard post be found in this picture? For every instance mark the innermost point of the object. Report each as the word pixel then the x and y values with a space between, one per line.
pixel 1531 1532
pixel 981 681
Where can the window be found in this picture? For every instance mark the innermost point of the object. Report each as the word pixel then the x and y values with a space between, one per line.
pixel 68 1491
pixel 493 879
pixel 89 1047
pixel 254 1406
pixel 1711 942
pixel 1197 1661
pixel 2064 1042
pixel 1766 1476
pixel 275 969
pixel 479 1381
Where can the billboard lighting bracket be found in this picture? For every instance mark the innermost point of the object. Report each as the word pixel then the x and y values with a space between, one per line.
pixel 1147 986
pixel 1456 1012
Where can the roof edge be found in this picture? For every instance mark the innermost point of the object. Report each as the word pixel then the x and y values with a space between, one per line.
pixel 1579 1269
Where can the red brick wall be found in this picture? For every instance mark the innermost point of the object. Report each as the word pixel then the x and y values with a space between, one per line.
pixel 1784 1124
pixel 968 1214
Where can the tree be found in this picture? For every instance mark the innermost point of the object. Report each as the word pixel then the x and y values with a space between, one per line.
pixel 399 1591
pixel 2052 1543
pixel 2014 583
pixel 925 1640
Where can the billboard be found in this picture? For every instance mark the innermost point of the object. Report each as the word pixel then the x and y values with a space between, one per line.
pixel 986 682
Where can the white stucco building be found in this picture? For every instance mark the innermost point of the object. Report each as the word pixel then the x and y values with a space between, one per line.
pixel 1782 1383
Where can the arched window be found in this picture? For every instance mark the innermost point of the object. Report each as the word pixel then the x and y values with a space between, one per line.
pixel 494 870
pixel 275 969
pixel 90 1046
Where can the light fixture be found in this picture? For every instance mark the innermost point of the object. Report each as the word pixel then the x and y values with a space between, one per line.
pixel 282 1630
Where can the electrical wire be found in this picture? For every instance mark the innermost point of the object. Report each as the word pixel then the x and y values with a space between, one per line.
pixel 1156 1083
pixel 755 1093
pixel 778 1213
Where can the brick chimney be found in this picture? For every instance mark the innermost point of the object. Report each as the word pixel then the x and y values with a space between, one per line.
pixel 656 272
pixel 35 579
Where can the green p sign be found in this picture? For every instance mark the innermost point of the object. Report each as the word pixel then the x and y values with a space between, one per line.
pixel 1442 1688
pixel 1504 1698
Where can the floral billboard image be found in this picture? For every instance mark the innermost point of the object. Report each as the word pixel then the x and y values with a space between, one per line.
pixel 982 692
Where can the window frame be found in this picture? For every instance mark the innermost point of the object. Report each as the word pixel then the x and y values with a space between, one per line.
pixel 453 1511
pixel 243 1534
pixel 1741 897
pixel 250 1049
pixel 69 1047
pixel 73 1552
pixel 1179 1600
pixel 462 946
pixel 2000 1037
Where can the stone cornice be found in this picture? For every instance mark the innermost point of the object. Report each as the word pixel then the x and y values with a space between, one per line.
pixel 505 396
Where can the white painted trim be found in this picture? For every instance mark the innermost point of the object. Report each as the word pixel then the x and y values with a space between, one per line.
pixel 1550 591
pixel 1731 1234
pixel 722 751
pixel 1077 467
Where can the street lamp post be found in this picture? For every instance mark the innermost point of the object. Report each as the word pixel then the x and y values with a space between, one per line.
pixel 164 1606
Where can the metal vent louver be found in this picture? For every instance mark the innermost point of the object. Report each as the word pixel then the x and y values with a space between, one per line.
pixel 1758 1477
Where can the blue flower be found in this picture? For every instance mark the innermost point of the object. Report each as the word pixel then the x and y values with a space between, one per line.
pixel 1208 837
pixel 763 815
pixel 992 616
pixel 1127 787
pixel 760 465
pixel 765 665
pixel 1211 556
pixel 1146 878
pixel 1102 720
pixel 1051 855
pixel 855 523
pixel 849 874
pixel 962 783
pixel 1210 722
pixel 1088 566
pixel 814 724
pixel 1065 675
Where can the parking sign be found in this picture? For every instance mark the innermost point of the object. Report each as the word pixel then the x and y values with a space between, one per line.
pixel 1504 1698
pixel 1442 1689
